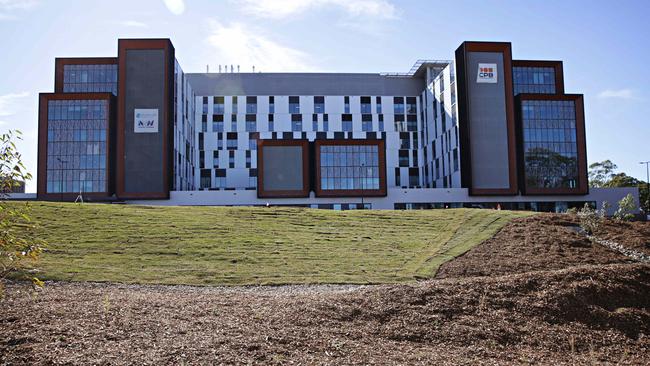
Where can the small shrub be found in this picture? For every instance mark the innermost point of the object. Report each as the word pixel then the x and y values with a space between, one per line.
pixel 626 209
pixel 590 218
pixel 19 246
pixel 572 211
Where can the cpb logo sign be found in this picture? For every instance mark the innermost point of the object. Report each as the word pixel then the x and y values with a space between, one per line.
pixel 145 121
pixel 487 73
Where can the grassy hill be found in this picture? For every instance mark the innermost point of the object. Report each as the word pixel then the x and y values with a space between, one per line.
pixel 241 245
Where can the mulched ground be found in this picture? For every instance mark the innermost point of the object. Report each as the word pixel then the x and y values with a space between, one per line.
pixel 634 235
pixel 545 242
pixel 583 305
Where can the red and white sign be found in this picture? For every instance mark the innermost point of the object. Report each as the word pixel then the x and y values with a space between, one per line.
pixel 487 73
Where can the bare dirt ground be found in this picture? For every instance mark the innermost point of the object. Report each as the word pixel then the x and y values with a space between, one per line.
pixel 540 295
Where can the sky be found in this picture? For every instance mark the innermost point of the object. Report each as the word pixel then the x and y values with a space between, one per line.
pixel 604 46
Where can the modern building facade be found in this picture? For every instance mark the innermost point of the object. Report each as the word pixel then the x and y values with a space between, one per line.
pixel 484 130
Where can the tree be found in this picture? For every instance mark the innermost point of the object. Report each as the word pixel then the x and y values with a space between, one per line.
pixel 601 172
pixel 626 209
pixel 624 180
pixel 19 245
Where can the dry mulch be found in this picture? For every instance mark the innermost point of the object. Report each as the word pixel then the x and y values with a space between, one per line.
pixel 580 315
pixel 544 242
pixel 634 235
pixel 582 305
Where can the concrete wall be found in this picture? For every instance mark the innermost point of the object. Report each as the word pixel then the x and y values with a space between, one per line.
pixel 145 86
pixel 21 196
pixel 395 195
pixel 303 84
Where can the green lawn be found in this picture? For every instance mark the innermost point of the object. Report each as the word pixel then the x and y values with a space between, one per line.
pixel 234 246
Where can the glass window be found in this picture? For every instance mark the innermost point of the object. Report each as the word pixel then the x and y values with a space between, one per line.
pixel 398 105
pixel 403 157
pixel 537 80
pixel 217 123
pixel 218 106
pixel 90 78
pixel 349 167
pixel 206 178
pixel 366 107
pixel 251 123
pixel 366 122
pixel 215 158
pixel 550 148
pixel 234 105
pixel 251 105
pixel 411 105
pixel 294 105
pixel 296 122
pixel 231 141
pixel 76 150
pixel 319 104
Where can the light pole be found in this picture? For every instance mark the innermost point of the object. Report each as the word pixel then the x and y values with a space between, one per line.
pixel 363 178
pixel 63 162
pixel 647 186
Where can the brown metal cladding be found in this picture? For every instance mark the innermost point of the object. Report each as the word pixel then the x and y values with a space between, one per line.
pixel 261 191
pixel 582 187
pixel 59 62
pixel 41 183
pixel 465 123
pixel 381 192
pixel 557 65
pixel 167 115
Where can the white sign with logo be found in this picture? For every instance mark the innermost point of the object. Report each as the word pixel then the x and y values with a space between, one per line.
pixel 145 121
pixel 487 73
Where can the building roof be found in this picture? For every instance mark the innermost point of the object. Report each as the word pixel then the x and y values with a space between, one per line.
pixel 305 84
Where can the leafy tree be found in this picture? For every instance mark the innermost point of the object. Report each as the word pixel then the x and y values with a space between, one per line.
pixel 624 180
pixel 601 172
pixel 626 209
pixel 19 246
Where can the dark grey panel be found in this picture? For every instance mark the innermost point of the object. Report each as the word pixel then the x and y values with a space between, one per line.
pixel 145 89
pixel 303 84
pixel 282 168
pixel 488 129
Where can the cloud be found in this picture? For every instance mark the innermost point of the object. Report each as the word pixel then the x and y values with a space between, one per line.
pixel 240 44
pixel 10 103
pixel 9 6
pixel 177 7
pixel 617 93
pixel 134 23
pixel 381 9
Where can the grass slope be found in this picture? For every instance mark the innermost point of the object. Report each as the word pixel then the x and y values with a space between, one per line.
pixel 241 245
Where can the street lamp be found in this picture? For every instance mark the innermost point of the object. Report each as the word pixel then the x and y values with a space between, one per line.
pixel 363 178
pixel 63 163
pixel 647 186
